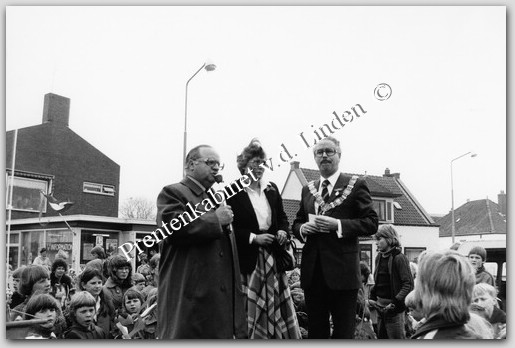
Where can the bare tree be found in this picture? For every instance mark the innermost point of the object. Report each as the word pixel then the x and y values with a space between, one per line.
pixel 138 208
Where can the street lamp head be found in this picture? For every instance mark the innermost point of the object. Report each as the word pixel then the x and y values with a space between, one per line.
pixel 210 67
pixel 473 155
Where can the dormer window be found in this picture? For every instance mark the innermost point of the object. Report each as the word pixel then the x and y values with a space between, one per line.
pixel 383 209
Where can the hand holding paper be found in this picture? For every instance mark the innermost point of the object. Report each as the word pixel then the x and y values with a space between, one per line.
pixel 326 223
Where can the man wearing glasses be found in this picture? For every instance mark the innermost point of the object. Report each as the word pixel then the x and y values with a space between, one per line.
pixel 199 291
pixel 334 211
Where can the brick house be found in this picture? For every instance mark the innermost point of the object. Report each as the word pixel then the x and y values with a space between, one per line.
pixel 52 158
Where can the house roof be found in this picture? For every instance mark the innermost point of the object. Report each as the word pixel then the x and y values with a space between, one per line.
pixel 475 217
pixel 411 213
pixel 376 187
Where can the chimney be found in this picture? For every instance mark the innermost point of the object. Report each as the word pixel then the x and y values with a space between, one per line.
pixel 388 175
pixel 295 165
pixel 56 109
pixel 501 201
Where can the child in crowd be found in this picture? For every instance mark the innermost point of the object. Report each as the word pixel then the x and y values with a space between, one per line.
pixel 82 312
pixel 132 303
pixel 16 297
pixel 42 306
pixel 444 290
pixel 120 279
pixel 364 328
pixel 484 303
pixel 33 279
pixel 139 281
pixel 477 257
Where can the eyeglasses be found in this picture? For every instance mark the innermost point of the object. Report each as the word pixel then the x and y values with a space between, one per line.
pixel 328 152
pixel 212 163
pixel 256 163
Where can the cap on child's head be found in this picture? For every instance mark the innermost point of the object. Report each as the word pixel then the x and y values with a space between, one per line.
pixel 138 277
pixel 478 250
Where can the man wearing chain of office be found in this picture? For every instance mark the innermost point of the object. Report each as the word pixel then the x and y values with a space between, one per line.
pixel 334 211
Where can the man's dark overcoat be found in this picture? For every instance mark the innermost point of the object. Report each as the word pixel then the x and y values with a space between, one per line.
pixel 199 292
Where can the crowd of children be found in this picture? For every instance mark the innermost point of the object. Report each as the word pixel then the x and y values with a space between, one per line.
pixel 453 298
pixel 105 301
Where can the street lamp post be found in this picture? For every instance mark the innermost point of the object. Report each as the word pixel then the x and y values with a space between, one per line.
pixel 208 67
pixel 453 227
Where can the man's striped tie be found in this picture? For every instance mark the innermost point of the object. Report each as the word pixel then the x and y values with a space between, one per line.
pixel 325 193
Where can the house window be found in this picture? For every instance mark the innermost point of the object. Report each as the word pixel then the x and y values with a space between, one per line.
pixel 99 189
pixel 383 209
pixel 27 194
pixel 380 208
pixel 413 253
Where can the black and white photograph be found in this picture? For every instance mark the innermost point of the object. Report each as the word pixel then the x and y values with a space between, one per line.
pixel 256 172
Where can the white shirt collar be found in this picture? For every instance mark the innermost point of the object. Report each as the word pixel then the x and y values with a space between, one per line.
pixel 263 184
pixel 332 179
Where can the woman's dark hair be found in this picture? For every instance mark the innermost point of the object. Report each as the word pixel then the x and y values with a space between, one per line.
pixel 40 302
pixel 30 276
pixel 88 274
pixel 252 150
pixel 106 305
pixel 59 263
pixel 99 251
pixel 116 262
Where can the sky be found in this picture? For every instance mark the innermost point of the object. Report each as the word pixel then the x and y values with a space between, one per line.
pixel 280 72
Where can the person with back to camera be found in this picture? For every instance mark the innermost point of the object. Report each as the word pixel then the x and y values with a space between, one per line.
pixel 334 211
pixel 443 290
pixel 259 224
pixel 477 256
pixel 393 282
pixel 99 258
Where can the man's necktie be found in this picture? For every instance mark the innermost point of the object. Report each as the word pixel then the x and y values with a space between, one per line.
pixel 325 193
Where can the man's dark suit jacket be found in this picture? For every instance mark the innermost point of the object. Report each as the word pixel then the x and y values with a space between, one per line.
pixel 339 257
pixel 245 222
